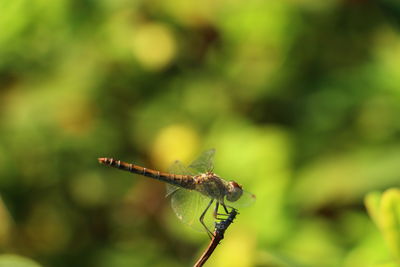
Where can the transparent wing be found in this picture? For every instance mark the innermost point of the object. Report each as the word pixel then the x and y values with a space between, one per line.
pixel 178 168
pixel 247 199
pixel 204 162
pixel 188 205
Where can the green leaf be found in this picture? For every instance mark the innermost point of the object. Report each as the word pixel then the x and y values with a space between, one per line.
pixel 372 203
pixel 390 220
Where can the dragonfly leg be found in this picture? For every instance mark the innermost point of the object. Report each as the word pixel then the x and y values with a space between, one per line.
pixel 215 213
pixel 202 218
pixel 226 210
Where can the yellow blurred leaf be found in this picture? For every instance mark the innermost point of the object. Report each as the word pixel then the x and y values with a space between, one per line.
pixel 10 260
pixel 389 220
pixel 372 202
pixel 154 46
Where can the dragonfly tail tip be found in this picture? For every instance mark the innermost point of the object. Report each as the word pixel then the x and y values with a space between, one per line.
pixel 102 160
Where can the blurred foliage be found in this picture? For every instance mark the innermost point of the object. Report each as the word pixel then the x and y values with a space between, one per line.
pixel 7 260
pixel 384 209
pixel 299 97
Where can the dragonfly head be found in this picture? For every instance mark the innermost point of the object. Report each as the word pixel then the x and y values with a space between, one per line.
pixel 234 192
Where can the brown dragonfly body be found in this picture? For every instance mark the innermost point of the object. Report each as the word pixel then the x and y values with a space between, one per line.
pixel 208 184
pixel 205 182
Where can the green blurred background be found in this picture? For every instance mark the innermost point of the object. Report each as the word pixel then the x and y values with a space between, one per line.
pixel 301 99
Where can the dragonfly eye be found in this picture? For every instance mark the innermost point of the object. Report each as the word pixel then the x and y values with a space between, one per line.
pixel 235 191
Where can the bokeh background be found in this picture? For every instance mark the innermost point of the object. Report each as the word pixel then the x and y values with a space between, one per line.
pixel 301 99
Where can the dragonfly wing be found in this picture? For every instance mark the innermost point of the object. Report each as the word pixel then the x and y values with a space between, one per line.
pixel 247 199
pixel 178 168
pixel 188 205
pixel 204 162
pixel 170 189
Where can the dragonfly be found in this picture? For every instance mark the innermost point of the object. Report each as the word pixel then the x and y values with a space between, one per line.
pixel 194 189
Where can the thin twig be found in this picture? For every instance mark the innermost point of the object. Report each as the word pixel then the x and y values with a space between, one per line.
pixel 219 231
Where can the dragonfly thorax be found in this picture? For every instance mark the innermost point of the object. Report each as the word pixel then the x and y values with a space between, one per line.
pixel 213 186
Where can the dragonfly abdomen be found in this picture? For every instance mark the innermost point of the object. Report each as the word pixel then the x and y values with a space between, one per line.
pixel 185 181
